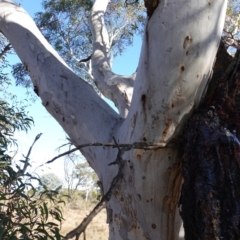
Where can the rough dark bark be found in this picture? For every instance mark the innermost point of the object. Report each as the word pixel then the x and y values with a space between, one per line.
pixel 210 199
pixel 223 60
pixel 151 5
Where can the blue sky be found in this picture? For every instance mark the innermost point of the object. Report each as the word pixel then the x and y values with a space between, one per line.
pixel 53 136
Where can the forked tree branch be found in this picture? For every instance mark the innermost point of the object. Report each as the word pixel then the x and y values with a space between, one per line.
pixel 61 91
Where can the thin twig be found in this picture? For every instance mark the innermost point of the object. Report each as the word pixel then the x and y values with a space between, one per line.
pixel 122 148
pixel 78 230
pixel 136 145
pixel 106 197
pixel 21 171
pixel 26 162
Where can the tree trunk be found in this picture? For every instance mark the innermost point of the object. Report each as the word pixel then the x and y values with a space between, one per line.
pixel 211 163
pixel 176 62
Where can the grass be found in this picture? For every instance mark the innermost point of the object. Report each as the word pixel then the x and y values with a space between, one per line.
pixel 75 211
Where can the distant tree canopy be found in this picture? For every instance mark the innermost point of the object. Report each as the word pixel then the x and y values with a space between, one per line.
pixel 51 181
pixel 231 32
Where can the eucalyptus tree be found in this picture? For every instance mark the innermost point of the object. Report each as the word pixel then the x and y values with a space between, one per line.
pixel 176 62
pixel 51 181
pixel 79 175
pixel 65 25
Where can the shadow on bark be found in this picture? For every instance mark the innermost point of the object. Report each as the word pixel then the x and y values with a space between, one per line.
pixel 210 198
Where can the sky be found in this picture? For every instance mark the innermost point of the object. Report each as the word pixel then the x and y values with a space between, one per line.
pixel 53 135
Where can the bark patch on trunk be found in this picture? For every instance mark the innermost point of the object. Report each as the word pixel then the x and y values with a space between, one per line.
pixel 170 201
pixel 210 198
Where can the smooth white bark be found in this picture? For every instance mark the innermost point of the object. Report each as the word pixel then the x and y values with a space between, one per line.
pixel 74 104
pixel 176 60
pixel 117 88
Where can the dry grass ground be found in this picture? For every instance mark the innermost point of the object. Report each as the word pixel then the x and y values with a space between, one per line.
pixel 74 212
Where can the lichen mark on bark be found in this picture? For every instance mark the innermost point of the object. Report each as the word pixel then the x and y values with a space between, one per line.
pixel 151 5
pixel 210 198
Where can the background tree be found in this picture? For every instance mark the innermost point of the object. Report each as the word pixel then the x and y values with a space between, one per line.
pixel 65 25
pixel 231 30
pixel 175 65
pixel 51 181
pixel 79 175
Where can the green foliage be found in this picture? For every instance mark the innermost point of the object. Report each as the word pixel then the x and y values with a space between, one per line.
pixel 123 21
pixel 24 212
pixel 231 34
pixel 85 174
pixel 4 49
pixel 11 119
pixel 64 23
pixel 20 73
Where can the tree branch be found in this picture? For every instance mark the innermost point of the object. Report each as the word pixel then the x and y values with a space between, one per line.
pixel 115 87
pixel 135 145
pixel 69 99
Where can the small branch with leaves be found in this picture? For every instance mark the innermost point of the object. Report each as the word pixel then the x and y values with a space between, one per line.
pixel 7 48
